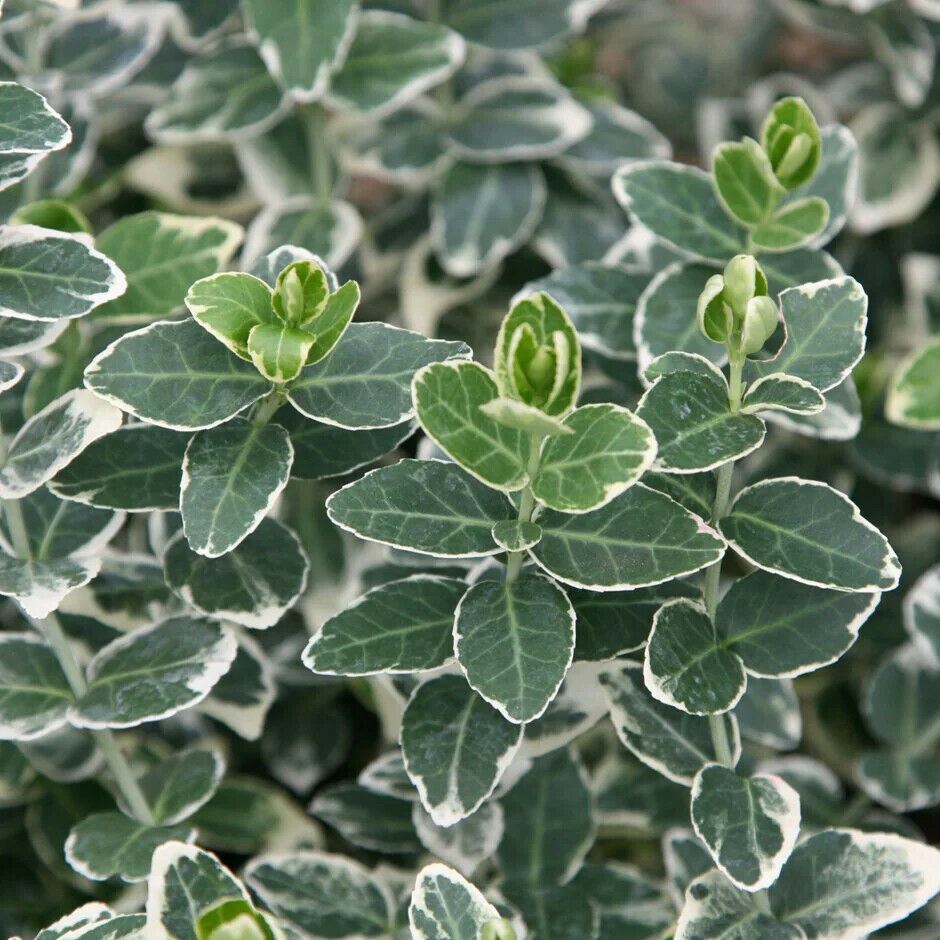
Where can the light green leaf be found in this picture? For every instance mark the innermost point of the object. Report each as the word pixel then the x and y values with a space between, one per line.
pixel 845 883
pixel 321 894
pixel 514 641
pixel 330 325
pixel 456 747
pixel 791 139
pixel 51 439
pixel 600 300
pixel 618 622
pixel 482 213
pixel 40 586
pixel 154 672
pixel 914 394
pixel 108 845
pixel 825 333
pixel 664 321
pixel 779 628
pixel 161 255
pixel 781 392
pixel 175 375
pixel 371 820
pixel 686 667
pixel 640 539
pixel 609 450
pixel 201 107
pixel 177 787
pixel 448 399
pixel 678 205
pixel 31 129
pixel 807 531
pixel 279 352
pixel 445 906
pixel 231 477
pixel 517 118
pixel 516 24
pixel 51 276
pixel 425 506
pixel 745 181
pixel 392 60
pixel 254 584
pixel 749 824
pixel 716 910
pixel 516 536
pixel 230 306
pixel 301 45
pixel 695 428
pixel 34 693
pixel 673 743
pixel 402 626
pixel 549 827
pixel 366 382
pixel 794 225
pixel 521 417
pixel 922 611
pixel 136 468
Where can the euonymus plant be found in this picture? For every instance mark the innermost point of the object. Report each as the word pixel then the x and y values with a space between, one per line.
pixel 430 512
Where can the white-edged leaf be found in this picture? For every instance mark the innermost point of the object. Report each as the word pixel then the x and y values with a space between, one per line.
pixel 445 906
pixel 39 586
pixel 31 129
pixel 914 394
pixel 781 392
pixel 922 611
pixel 466 844
pixel 34 693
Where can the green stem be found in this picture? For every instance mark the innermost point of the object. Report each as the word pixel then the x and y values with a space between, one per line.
pixel 762 901
pixel 526 505
pixel 855 810
pixel 267 407
pixel 318 151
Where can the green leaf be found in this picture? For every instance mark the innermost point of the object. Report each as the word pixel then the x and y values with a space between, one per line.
pixel 665 315
pixel 780 392
pixel 108 927
pixel 253 585
pixel 18 337
pixel 549 827
pixel 53 276
pixel 301 45
pixel 52 439
pixel 781 628
pixel 175 375
pixel 387 774
pixel 694 491
pixel 331 324
pixel 161 255
pixel 629 903
pixel 769 713
pixel 640 539
pixel 914 394
pixel 242 698
pixel 554 912
pixel 517 118
pixel 466 844
pixel 40 586
pixel 516 536
pixel 322 450
pixel 190 893
pixel 136 468
pixel 521 417
pixel 609 450
pixel 177 787
pixel 922 611
pixel 847 883
pixel 794 225
pixel 402 626
pixel 230 306
pixel 321 894
pixel 679 206
pixel 686 667
pixel 745 181
pixel 825 333
pixel 514 641
pixel 749 824
pixel 695 428
pixel 511 24
pixel 154 672
pixel 673 743
pixel 840 419
pixel 10 374
pixel 279 352
pixel 618 622
pixel 425 506
pixel 393 59
pixel 200 106
pixel 34 693
pixel 807 531
pixel 601 301
pixel 448 399
pixel 456 747
pixel 366 381
pixel 445 906
pixel 367 819
pixel 55 214
pixel 31 129
pixel 108 845
pixel 716 910
pixel 482 213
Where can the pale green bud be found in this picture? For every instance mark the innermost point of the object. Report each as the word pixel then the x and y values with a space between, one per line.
pixel 715 317
pixel 292 296
pixel 790 138
pixel 760 322
pixel 744 279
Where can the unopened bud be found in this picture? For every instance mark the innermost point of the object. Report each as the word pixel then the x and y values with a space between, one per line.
pixel 744 279
pixel 790 138
pixel 715 318
pixel 760 322
pixel 292 297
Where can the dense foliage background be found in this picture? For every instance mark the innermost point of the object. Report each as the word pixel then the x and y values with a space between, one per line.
pixel 462 153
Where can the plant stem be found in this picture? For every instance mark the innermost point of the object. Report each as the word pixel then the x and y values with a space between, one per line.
pixel 526 504
pixel 762 901
pixel 267 407
pixel 318 151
